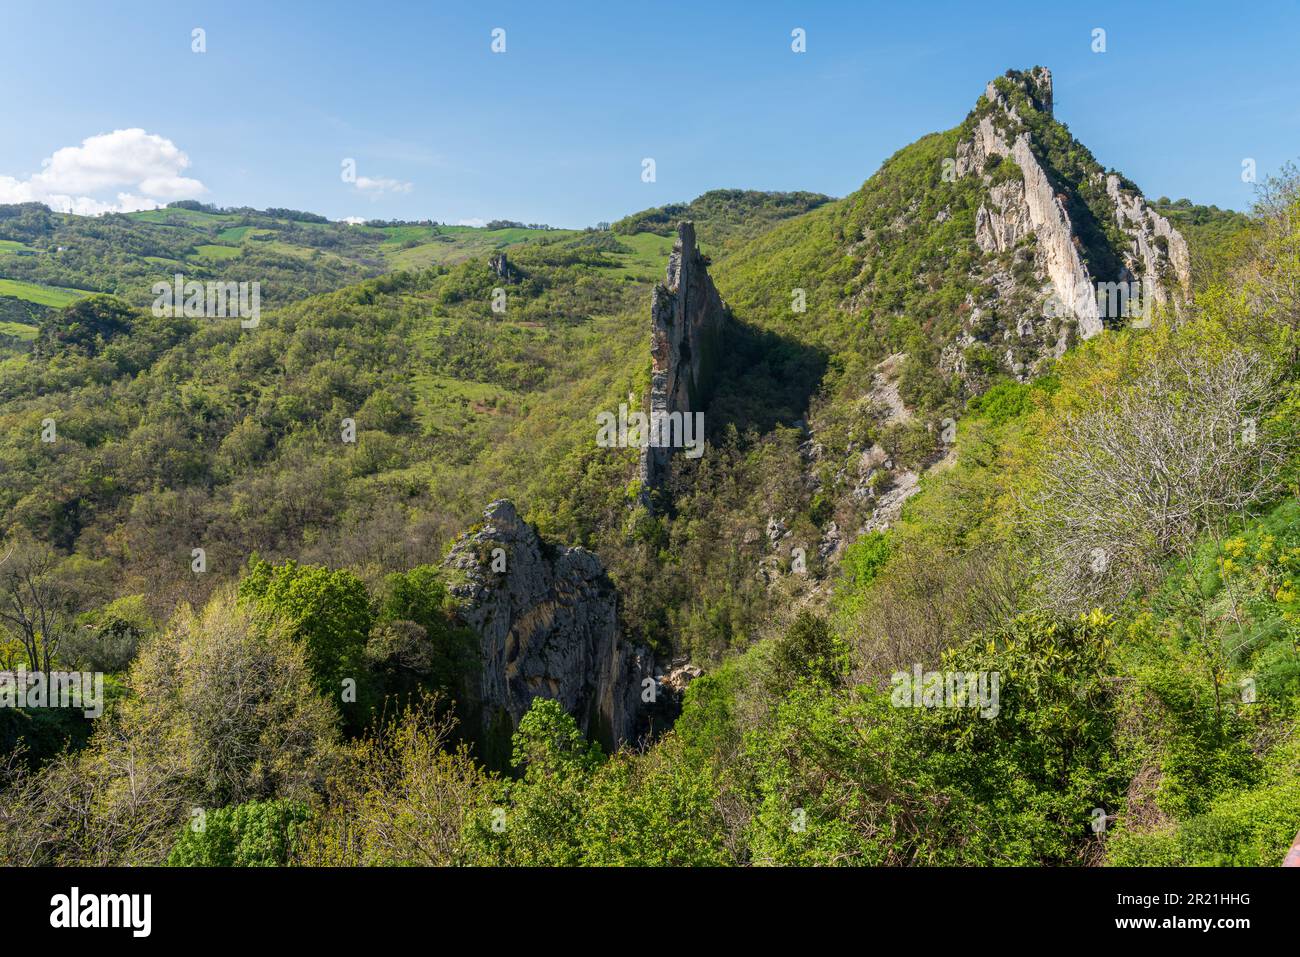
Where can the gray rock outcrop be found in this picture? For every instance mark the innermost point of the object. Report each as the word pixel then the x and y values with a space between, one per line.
pixel 1004 220
pixel 500 264
pixel 547 621
pixel 689 321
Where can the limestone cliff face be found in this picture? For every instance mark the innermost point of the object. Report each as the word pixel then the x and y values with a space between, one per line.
pixel 689 321
pixel 547 621
pixel 1016 209
pixel 1157 251
pixel 1037 206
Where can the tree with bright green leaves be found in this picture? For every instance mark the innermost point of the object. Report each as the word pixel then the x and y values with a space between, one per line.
pixel 405 794
pixel 535 820
pixel 327 612
pixel 660 809
pixel 254 834
pixel 806 651
pixel 863 778
pixel 86 326
pixel 221 711
pixel 416 641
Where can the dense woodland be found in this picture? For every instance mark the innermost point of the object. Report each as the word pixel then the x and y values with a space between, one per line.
pixel 1124 687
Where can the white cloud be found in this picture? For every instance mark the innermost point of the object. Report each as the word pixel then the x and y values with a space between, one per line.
pixel 142 169
pixel 475 221
pixel 378 185
pixel 354 220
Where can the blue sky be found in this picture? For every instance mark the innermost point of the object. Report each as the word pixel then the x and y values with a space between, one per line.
pixel 555 129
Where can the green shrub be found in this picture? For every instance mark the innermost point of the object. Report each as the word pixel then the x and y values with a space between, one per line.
pixel 255 834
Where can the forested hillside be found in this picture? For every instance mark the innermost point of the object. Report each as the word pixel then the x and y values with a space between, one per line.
pixel 48 259
pixel 917 463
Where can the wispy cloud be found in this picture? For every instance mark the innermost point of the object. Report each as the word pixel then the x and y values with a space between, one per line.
pixel 379 185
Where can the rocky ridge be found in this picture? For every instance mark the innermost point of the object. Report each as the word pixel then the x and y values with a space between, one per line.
pixel 1036 205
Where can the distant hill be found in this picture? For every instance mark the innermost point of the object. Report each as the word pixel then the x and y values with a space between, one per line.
pixel 723 216
pixel 291 254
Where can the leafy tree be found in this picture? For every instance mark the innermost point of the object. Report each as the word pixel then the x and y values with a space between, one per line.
pixel 537 818
pixel 236 698
pixel 108 638
pixel 253 834
pixel 404 795
pixel 863 779
pixel 442 655
pixel 36 608
pixel 328 612
pixel 86 326
pixel 221 711
pixel 807 651
pixel 660 810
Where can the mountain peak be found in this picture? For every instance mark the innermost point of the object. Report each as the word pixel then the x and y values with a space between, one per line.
pixel 1035 84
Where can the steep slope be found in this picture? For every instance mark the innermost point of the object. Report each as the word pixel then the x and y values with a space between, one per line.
pixel 972 255
pixel 963 237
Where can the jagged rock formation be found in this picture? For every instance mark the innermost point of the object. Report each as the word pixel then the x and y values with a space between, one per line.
pixel 975 252
pixel 500 265
pixel 547 621
pixel 689 321
pixel 1037 204
pixel 1017 208
pixel 1158 251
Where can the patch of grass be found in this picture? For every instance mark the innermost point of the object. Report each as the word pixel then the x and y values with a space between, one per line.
pixel 446 403
pixel 448 245
pixel 217 252
pixel 649 255
pixel 55 296
pixel 188 217
pixel 396 235
pixel 18 330
pixel 172 264
pixel 236 234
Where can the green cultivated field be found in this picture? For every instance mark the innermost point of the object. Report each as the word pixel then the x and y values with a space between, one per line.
pixel 236 234
pixel 55 296
pixel 18 330
pixel 216 252
pixel 446 245
pixel 189 217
